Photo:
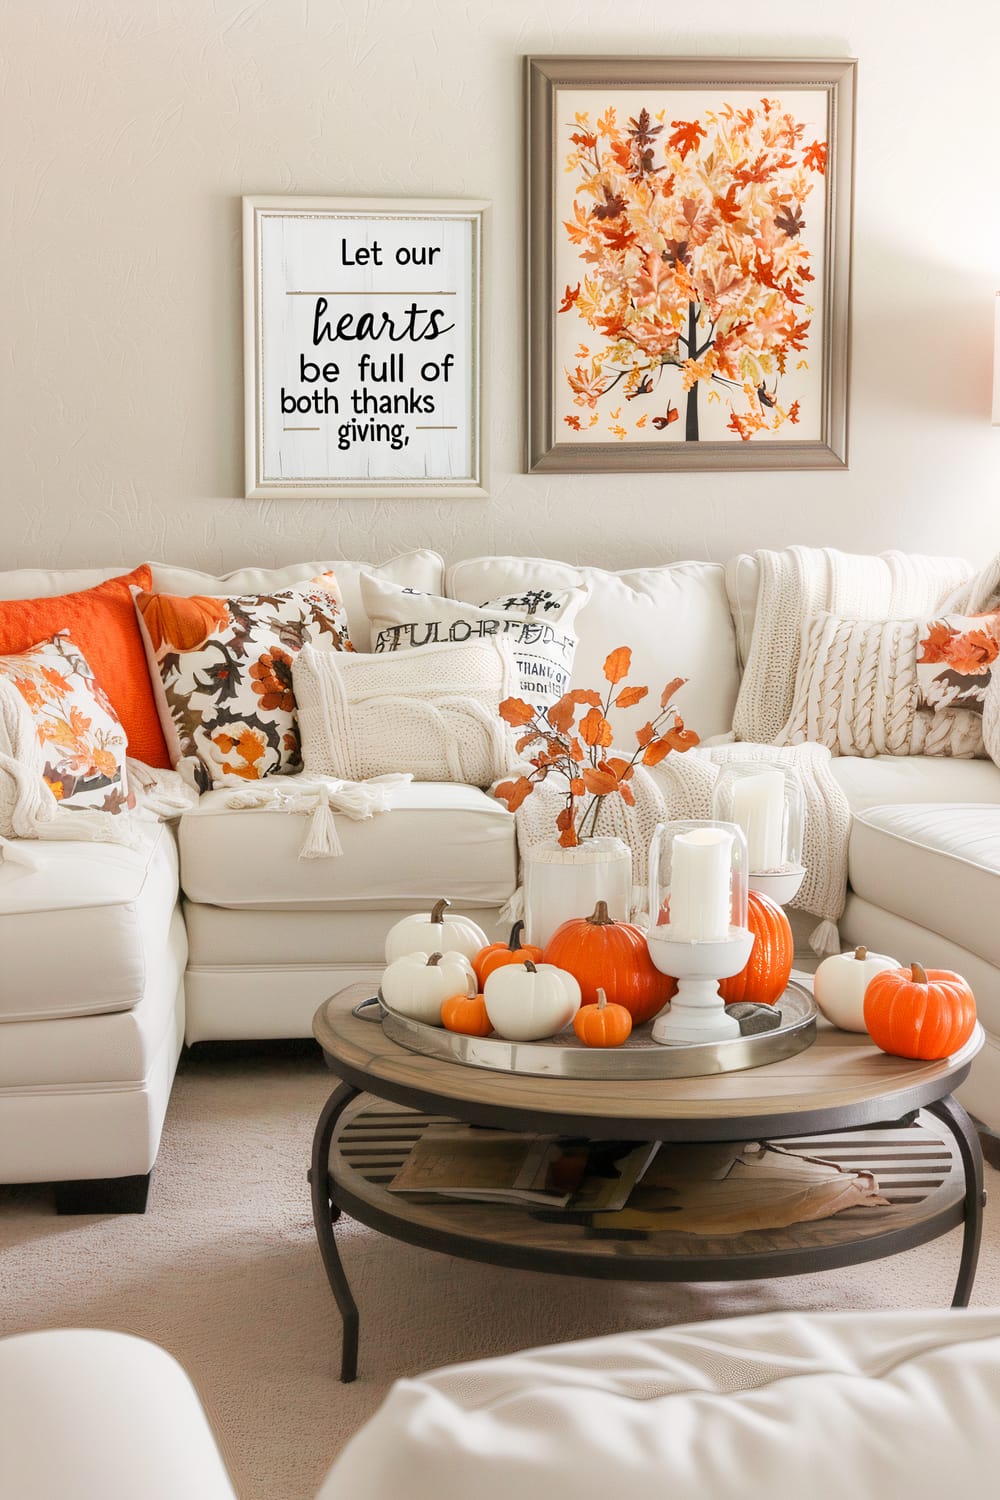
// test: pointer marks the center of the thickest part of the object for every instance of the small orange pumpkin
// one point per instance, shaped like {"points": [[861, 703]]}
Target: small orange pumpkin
{"points": [[920, 1013], [495, 955], [597, 950], [769, 966], [467, 1014], [602, 1025], [173, 620]]}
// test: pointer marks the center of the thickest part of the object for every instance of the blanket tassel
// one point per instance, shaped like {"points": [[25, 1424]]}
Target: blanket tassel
{"points": [[825, 939], [322, 841]]}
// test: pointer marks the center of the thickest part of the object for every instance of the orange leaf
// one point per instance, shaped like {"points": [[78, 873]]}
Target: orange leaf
{"points": [[630, 696], [645, 734], [655, 752], [514, 792], [600, 782], [526, 740], [623, 769], [577, 786], [560, 714], [566, 817], [670, 690], [516, 713], [618, 664], [576, 750], [628, 796], [585, 695], [680, 738], [595, 728], [568, 839]]}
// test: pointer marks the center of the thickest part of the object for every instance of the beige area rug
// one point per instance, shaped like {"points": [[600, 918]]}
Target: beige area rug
{"points": [[223, 1271]]}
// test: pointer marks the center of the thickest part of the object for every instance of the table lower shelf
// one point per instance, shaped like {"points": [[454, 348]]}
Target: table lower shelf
{"points": [[918, 1167]]}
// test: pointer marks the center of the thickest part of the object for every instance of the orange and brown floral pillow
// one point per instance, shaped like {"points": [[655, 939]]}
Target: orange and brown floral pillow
{"points": [[954, 658], [223, 670], [82, 739]]}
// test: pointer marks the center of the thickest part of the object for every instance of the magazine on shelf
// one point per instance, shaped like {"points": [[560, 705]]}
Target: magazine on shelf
{"points": [[500, 1166]]}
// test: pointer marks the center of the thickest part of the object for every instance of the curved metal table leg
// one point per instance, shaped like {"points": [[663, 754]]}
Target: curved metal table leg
{"points": [[325, 1214], [951, 1113]]}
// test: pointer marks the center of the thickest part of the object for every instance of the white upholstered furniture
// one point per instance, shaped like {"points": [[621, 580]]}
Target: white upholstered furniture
{"points": [[823, 1404], [104, 971]]}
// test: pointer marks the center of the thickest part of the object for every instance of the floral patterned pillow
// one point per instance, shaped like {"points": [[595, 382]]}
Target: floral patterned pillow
{"points": [[82, 739], [954, 658], [223, 669]]}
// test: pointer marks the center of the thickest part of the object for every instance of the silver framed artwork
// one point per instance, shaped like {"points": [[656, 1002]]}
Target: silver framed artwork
{"points": [[689, 252], [363, 347]]}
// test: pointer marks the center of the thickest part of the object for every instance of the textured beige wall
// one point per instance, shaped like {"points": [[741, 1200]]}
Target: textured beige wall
{"points": [[130, 128]]}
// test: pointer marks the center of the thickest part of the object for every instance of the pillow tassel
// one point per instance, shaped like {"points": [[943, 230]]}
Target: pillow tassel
{"points": [[322, 841]]}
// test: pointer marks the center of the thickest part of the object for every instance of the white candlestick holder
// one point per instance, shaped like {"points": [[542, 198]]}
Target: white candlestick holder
{"points": [[698, 932], [697, 1013]]}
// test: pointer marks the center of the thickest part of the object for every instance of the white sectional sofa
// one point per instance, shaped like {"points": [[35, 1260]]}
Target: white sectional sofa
{"points": [[113, 957]]}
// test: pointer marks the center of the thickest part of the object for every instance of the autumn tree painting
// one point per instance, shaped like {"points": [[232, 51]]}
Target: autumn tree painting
{"points": [[688, 235]]}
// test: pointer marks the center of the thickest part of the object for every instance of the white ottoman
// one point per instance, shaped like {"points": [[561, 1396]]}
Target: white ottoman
{"points": [[829, 1406]]}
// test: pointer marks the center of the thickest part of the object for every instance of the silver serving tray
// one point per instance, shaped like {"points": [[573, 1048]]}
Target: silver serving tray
{"points": [[639, 1057]]}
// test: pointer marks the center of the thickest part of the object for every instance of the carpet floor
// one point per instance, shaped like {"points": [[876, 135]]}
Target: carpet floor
{"points": [[223, 1270]]}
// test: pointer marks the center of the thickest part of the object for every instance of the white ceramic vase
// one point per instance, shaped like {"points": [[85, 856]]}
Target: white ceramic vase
{"points": [[563, 883]]}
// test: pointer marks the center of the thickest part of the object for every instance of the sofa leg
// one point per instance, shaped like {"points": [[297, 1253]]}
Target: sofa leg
{"points": [[103, 1195]]}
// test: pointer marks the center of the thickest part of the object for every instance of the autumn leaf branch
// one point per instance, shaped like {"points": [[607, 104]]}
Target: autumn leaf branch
{"points": [[578, 751]]}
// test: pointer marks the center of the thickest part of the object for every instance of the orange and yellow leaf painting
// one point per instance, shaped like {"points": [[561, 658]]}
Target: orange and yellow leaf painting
{"points": [[690, 267]]}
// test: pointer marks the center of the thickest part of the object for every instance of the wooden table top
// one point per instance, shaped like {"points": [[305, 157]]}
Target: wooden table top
{"points": [[842, 1079]]}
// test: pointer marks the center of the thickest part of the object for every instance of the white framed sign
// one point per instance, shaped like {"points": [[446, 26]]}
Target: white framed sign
{"points": [[363, 350]]}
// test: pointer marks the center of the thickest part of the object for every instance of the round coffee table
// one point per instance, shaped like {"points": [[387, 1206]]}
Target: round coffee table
{"points": [[842, 1099]]}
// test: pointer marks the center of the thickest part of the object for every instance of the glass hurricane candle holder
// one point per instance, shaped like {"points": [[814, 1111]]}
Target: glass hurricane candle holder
{"points": [[765, 800], [698, 924]]}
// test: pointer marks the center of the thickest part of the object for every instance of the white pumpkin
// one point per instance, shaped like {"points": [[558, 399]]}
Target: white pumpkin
{"points": [[433, 932], [417, 983], [526, 1002], [840, 982]]}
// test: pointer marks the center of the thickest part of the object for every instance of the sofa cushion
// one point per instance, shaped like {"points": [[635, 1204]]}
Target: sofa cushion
{"points": [[887, 779], [675, 618], [937, 866], [77, 931], [438, 839], [828, 1405], [422, 570]]}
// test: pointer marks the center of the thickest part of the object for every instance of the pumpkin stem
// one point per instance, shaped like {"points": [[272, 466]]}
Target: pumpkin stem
{"points": [[439, 908], [434, 960], [529, 967], [602, 999], [861, 953], [918, 974], [515, 937], [600, 916]]}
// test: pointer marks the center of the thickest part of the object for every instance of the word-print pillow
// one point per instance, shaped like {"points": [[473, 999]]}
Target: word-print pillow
{"points": [[82, 739], [536, 625], [224, 670]]}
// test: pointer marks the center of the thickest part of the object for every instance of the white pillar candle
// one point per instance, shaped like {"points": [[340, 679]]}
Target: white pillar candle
{"points": [[700, 896], [759, 807]]}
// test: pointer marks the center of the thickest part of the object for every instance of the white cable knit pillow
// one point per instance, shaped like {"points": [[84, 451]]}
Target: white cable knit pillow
{"points": [[432, 712], [857, 690]]}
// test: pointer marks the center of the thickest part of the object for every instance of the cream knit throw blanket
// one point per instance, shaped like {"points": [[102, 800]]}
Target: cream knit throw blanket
{"points": [[801, 581], [681, 787]]}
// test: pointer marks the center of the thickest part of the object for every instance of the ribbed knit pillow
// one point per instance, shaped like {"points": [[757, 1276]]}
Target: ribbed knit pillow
{"points": [[858, 691], [432, 712]]}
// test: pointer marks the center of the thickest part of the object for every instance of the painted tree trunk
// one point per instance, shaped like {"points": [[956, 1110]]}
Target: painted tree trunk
{"points": [[691, 415]]}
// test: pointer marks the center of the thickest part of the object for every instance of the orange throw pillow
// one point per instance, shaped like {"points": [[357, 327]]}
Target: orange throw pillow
{"points": [[103, 626]]}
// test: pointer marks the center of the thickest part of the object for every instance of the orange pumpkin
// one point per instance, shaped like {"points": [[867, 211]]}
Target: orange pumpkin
{"points": [[467, 1014], [173, 620], [495, 955], [602, 1025], [770, 963], [920, 1013], [597, 950]]}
